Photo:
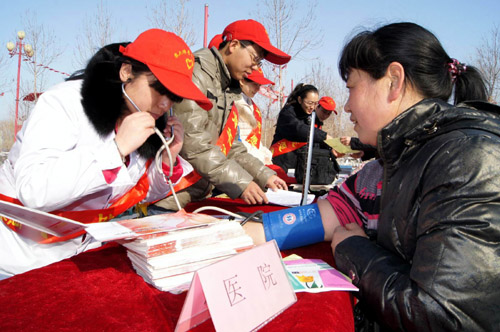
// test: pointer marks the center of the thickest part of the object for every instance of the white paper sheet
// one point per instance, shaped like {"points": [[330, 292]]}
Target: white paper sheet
{"points": [[287, 198]]}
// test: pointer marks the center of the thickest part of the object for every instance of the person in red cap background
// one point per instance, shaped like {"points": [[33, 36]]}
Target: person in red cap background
{"points": [[210, 144], [86, 150], [293, 127], [216, 41], [326, 106], [250, 124]]}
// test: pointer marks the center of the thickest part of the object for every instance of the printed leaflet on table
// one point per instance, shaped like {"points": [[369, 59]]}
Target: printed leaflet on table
{"points": [[315, 276]]}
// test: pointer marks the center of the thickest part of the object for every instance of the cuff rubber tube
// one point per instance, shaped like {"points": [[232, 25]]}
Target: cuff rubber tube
{"points": [[295, 227]]}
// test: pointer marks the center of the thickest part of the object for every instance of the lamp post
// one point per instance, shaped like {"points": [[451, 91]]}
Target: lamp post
{"points": [[20, 49]]}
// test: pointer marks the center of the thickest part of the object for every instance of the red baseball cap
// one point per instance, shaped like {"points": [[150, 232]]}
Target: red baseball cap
{"points": [[216, 41], [258, 77], [254, 31], [170, 60], [328, 104]]}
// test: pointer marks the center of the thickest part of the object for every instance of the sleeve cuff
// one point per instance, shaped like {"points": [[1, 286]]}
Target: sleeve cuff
{"points": [[177, 172], [352, 255]]}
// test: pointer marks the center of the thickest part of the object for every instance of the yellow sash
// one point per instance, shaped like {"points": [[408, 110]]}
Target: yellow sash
{"points": [[254, 137], [225, 142], [284, 146]]}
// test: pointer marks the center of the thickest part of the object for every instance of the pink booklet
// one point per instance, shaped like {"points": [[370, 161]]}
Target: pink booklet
{"points": [[161, 223], [102, 231], [315, 276], [38, 220]]}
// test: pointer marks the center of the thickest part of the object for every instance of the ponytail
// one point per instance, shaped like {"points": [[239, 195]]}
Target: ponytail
{"points": [[469, 85], [301, 90]]}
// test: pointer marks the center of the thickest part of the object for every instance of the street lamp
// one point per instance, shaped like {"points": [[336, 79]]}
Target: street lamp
{"points": [[22, 50]]}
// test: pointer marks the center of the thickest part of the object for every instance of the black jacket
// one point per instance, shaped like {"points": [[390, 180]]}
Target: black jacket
{"points": [[294, 125], [435, 265], [370, 151]]}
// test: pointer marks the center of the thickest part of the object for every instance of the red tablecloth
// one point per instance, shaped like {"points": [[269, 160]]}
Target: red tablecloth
{"points": [[99, 291]]}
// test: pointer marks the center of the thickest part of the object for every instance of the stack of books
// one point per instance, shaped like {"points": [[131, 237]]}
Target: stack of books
{"points": [[168, 260]]}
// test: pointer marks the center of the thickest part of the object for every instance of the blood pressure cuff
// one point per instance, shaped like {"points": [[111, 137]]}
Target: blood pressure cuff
{"points": [[295, 227]]}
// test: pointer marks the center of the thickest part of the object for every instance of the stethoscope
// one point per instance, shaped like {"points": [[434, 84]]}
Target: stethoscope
{"points": [[165, 146], [159, 161]]}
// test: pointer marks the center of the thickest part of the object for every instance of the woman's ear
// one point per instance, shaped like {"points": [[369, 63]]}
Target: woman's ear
{"points": [[126, 72], [396, 76], [299, 100]]}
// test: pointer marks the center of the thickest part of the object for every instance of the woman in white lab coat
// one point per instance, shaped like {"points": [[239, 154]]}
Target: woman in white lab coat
{"points": [[87, 150]]}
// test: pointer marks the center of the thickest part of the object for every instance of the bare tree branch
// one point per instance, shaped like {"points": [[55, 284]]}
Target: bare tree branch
{"points": [[488, 60], [294, 34], [290, 32], [45, 48], [174, 16], [97, 32]]}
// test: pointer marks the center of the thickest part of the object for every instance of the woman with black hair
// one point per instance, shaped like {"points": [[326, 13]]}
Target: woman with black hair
{"points": [[293, 127], [86, 152], [435, 264]]}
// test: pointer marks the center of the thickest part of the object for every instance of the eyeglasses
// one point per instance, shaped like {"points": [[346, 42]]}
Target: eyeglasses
{"points": [[311, 103], [256, 60]]}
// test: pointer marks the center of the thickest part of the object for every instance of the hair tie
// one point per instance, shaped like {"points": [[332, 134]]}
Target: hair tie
{"points": [[455, 68]]}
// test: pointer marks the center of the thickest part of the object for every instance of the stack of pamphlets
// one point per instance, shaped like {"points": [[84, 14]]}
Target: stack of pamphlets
{"points": [[168, 260], [167, 249]]}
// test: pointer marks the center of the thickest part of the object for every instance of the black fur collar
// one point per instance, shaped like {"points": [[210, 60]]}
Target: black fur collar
{"points": [[102, 98], [103, 103]]}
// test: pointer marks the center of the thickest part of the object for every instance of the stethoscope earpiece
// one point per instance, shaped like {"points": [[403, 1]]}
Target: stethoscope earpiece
{"points": [[158, 159], [129, 99]]}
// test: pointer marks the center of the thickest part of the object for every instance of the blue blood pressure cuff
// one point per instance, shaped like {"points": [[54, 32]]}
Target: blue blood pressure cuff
{"points": [[295, 227]]}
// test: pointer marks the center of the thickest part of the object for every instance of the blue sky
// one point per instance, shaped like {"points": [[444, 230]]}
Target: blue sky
{"points": [[460, 25]]}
